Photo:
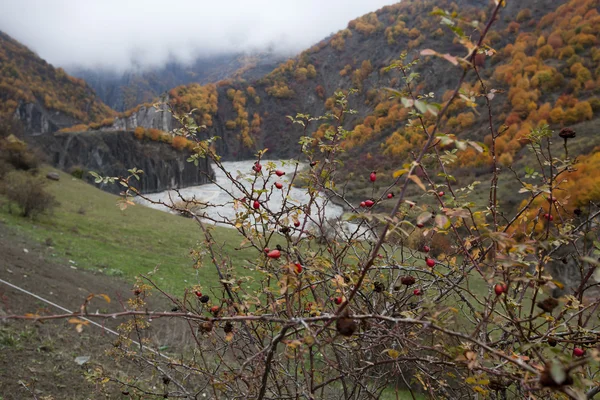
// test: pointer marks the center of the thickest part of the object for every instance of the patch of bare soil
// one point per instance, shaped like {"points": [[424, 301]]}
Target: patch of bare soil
{"points": [[38, 360]]}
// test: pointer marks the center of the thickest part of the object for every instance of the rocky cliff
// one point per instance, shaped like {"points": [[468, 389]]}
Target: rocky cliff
{"points": [[113, 153], [146, 117], [38, 120]]}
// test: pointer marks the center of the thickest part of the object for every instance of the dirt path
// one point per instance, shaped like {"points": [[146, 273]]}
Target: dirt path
{"points": [[38, 360]]}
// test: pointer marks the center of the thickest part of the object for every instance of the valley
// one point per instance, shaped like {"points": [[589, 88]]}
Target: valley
{"points": [[456, 142]]}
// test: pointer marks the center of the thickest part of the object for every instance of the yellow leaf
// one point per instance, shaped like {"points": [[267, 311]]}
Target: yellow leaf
{"points": [[78, 321], [79, 328], [417, 180], [558, 284], [399, 172], [104, 296], [392, 353], [229, 337], [479, 389]]}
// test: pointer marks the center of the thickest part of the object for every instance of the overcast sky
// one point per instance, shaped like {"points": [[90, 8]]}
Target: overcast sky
{"points": [[113, 33]]}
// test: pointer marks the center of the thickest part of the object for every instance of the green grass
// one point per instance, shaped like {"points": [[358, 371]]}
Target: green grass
{"points": [[88, 228], [393, 394]]}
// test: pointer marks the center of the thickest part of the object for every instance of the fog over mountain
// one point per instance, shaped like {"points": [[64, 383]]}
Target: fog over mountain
{"points": [[118, 34]]}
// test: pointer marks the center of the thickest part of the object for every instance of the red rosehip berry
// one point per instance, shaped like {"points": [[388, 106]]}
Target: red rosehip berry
{"points": [[296, 223], [426, 249], [417, 292], [430, 262], [257, 167], [390, 195], [369, 203], [419, 225], [363, 204], [441, 193], [279, 172], [198, 293], [578, 352], [215, 310], [500, 288], [297, 268], [274, 254], [278, 185], [256, 205], [549, 217], [373, 176], [338, 300]]}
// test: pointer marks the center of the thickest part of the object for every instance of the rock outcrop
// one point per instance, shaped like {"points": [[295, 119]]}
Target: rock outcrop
{"points": [[37, 120], [146, 117], [113, 153]]}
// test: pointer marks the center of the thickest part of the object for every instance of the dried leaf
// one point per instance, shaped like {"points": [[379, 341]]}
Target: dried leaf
{"points": [[428, 52], [417, 180], [450, 58], [104, 296], [78, 321]]}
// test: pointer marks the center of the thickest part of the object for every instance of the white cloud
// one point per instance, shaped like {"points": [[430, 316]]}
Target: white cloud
{"points": [[118, 33]]}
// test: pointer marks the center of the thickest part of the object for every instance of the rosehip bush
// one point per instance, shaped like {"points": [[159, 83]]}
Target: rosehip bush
{"points": [[356, 312]]}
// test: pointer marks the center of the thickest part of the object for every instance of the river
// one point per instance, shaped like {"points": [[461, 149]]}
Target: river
{"points": [[222, 203]]}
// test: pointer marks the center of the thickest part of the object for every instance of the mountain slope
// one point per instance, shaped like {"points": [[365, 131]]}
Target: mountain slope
{"points": [[543, 67], [123, 91], [27, 79]]}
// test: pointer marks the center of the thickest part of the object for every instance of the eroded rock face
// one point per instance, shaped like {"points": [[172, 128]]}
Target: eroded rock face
{"points": [[39, 121], [146, 117], [113, 153]]}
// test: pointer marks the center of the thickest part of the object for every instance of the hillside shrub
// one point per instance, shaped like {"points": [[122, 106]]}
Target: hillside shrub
{"points": [[16, 153], [27, 192]]}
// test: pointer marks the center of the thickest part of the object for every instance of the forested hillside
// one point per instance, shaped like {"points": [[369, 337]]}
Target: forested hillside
{"points": [[27, 79], [540, 65]]}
